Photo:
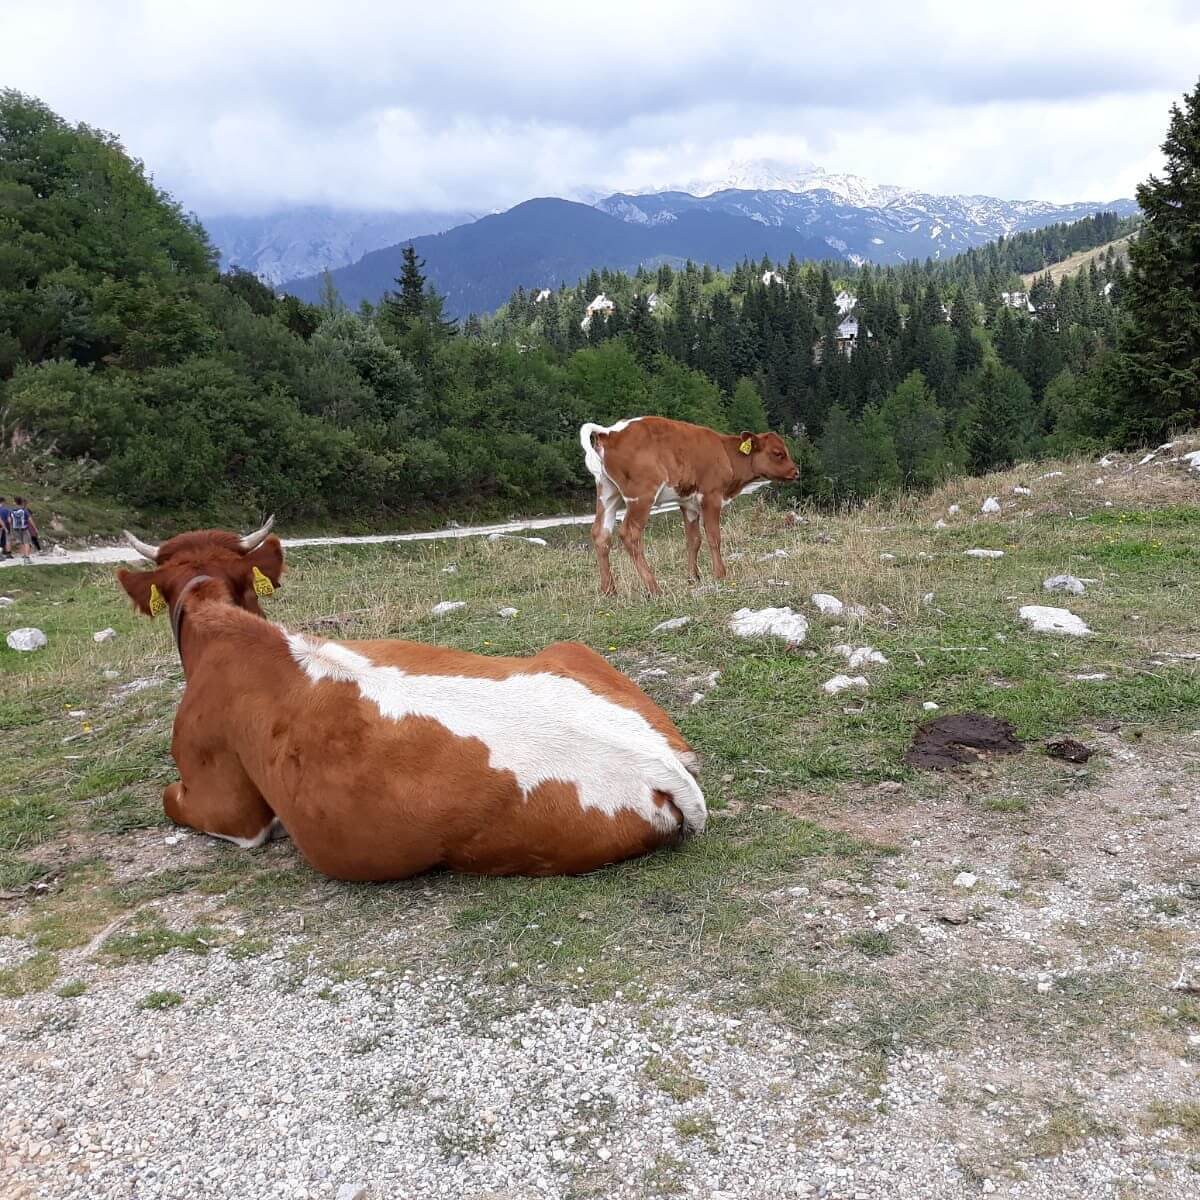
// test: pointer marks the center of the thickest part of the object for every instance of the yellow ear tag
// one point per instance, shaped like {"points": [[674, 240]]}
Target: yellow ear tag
{"points": [[262, 585], [746, 446], [157, 603]]}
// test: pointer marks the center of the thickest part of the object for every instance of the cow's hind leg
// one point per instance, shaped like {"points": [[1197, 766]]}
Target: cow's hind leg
{"points": [[607, 500], [637, 513], [216, 796]]}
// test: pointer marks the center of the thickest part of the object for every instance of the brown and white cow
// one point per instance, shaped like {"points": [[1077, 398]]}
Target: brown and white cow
{"points": [[647, 460], [382, 759]]}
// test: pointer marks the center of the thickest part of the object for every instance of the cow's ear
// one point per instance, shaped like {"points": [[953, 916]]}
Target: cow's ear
{"points": [[268, 558], [144, 590]]}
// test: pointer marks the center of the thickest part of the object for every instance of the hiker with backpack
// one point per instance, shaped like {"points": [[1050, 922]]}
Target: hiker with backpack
{"points": [[22, 530], [5, 522]]}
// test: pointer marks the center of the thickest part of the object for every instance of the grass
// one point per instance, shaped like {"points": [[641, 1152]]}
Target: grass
{"points": [[673, 1079], [35, 974], [1183, 1115], [700, 916], [156, 1001]]}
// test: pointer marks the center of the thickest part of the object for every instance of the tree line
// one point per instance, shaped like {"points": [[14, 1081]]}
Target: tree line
{"points": [[131, 367]]}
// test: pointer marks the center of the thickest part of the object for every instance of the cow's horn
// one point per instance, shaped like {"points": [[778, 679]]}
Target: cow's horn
{"points": [[143, 548], [252, 541]]}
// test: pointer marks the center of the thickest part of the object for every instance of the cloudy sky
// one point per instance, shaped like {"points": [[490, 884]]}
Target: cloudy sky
{"points": [[251, 105]]}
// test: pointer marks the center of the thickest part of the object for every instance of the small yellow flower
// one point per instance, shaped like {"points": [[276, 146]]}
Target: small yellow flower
{"points": [[86, 727], [612, 647]]}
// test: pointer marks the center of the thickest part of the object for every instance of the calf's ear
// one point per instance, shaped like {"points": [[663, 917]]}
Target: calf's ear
{"points": [[268, 558], [143, 590]]}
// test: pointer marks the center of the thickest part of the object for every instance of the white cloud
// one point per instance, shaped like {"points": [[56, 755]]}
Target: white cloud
{"points": [[238, 106]]}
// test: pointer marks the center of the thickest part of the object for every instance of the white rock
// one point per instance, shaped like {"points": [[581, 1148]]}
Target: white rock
{"points": [[1092, 678], [927, 599], [104, 635], [857, 658], [842, 683], [940, 524], [990, 505], [673, 623], [26, 639], [1044, 982], [447, 606], [1022, 491], [964, 879], [1106, 461], [773, 554], [1051, 475], [452, 569], [977, 553], [5, 601], [1064, 583], [352, 1191], [507, 612], [1053, 620], [930, 706], [111, 674], [954, 510], [792, 627], [988, 1187], [512, 537], [1148, 458], [1192, 460], [831, 606], [885, 557]]}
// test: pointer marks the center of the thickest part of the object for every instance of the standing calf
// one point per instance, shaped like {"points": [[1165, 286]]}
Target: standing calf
{"points": [[649, 459]]}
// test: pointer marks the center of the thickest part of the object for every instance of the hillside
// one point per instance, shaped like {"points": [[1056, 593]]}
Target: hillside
{"points": [[547, 242], [1080, 261], [976, 970]]}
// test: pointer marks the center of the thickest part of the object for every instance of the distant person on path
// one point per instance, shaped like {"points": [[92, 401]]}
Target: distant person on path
{"points": [[5, 524], [22, 530]]}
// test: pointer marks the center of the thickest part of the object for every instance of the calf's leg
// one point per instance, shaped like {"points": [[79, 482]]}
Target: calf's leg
{"points": [[711, 513], [691, 531], [637, 513], [607, 498]]}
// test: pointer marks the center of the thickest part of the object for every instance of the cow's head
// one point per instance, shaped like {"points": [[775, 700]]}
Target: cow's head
{"points": [[248, 566], [768, 456]]}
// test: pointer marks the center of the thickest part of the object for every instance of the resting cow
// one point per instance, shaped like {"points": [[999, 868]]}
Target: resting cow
{"points": [[383, 759], [650, 459]]}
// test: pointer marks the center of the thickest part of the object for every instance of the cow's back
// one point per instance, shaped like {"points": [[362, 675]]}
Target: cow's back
{"points": [[657, 450]]}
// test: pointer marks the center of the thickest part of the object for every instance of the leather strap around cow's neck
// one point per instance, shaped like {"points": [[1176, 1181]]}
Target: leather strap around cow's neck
{"points": [[177, 611]]}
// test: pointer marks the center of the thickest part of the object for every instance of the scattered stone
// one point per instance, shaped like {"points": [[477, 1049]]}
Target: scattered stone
{"points": [[773, 555], [1069, 750], [890, 785], [507, 612], [26, 639], [791, 627], [452, 569], [930, 706], [1107, 461], [111, 674], [352, 1191], [842, 683], [927, 599], [964, 879], [953, 510], [858, 658], [830, 606], [5, 601], [1053, 620], [1189, 979], [988, 1187], [977, 553], [990, 505], [512, 537], [836, 887], [104, 635], [885, 557], [952, 741], [954, 914], [940, 524], [1051, 475], [1022, 491], [1044, 982], [1064, 583], [673, 623], [1192, 460], [447, 606]]}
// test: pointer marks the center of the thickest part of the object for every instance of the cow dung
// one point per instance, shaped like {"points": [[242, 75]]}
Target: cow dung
{"points": [[954, 740], [1069, 750]]}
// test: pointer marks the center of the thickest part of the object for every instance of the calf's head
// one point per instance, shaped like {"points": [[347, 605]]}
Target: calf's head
{"points": [[249, 567], [768, 456]]}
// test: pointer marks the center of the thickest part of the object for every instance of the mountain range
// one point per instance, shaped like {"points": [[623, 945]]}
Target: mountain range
{"points": [[751, 209]]}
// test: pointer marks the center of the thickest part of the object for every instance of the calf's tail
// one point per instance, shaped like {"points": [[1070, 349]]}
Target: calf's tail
{"points": [[595, 464]]}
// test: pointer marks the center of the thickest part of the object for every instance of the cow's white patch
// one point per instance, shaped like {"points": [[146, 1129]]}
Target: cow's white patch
{"points": [[539, 726], [261, 838]]}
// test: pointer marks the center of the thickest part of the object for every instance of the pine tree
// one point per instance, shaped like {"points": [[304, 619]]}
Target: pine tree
{"points": [[410, 302], [917, 426], [746, 409], [330, 301], [1160, 359]]}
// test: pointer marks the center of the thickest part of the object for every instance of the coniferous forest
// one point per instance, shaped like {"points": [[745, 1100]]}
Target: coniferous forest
{"points": [[131, 367]]}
